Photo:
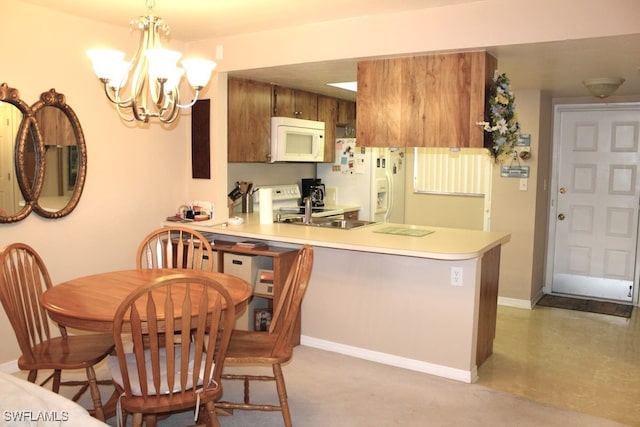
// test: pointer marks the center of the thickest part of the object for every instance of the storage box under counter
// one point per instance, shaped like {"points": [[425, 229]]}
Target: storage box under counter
{"points": [[246, 267], [249, 262]]}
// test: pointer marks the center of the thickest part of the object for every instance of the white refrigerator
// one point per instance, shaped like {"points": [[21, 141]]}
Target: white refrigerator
{"points": [[372, 178]]}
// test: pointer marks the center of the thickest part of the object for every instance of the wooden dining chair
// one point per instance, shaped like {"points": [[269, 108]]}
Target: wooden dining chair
{"points": [[274, 347], [175, 247], [179, 328], [24, 277]]}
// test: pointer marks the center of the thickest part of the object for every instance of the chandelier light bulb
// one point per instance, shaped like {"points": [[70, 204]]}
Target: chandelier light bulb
{"points": [[105, 62], [198, 71]]}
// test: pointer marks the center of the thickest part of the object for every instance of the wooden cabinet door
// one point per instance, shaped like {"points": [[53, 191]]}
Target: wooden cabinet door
{"points": [[346, 112], [427, 101], [328, 113], [284, 102], [443, 98], [378, 118], [295, 103], [306, 105], [249, 121]]}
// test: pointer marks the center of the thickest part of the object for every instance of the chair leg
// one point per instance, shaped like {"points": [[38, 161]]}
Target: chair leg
{"points": [[95, 394], [56, 381], [150, 420], [211, 413], [282, 394], [31, 377], [136, 420]]}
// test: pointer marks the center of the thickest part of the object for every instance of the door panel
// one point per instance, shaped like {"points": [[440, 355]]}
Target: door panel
{"points": [[9, 121], [596, 201]]}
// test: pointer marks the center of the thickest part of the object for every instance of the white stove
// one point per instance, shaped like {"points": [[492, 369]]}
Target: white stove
{"points": [[285, 199]]}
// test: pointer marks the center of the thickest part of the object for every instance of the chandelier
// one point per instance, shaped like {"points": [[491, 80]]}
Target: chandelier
{"points": [[147, 86]]}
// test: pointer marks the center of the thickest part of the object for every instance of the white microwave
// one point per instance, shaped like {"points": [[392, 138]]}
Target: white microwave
{"points": [[296, 140]]}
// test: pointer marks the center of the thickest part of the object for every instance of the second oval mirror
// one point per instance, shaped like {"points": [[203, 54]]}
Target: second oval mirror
{"points": [[64, 163]]}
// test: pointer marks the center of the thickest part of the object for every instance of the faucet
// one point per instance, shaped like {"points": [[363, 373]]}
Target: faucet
{"points": [[307, 210]]}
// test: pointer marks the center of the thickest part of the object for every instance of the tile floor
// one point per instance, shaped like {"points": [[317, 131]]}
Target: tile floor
{"points": [[570, 359]]}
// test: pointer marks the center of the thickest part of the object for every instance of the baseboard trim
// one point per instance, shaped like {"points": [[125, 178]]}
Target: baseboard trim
{"points": [[10, 367], [392, 360], [517, 303]]}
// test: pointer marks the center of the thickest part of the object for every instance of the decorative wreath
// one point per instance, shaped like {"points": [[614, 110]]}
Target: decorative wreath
{"points": [[503, 124]]}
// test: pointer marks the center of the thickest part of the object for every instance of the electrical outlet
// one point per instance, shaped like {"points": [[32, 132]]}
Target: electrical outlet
{"points": [[456, 276]]}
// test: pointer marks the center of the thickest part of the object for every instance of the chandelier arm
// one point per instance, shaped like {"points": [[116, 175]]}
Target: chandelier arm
{"points": [[173, 112], [115, 98], [126, 118], [120, 105], [192, 103], [168, 112], [160, 99]]}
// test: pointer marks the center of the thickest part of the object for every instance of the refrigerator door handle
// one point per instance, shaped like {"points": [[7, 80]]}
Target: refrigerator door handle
{"points": [[389, 197]]}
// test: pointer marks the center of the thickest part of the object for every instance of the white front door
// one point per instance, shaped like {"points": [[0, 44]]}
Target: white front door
{"points": [[594, 201]]}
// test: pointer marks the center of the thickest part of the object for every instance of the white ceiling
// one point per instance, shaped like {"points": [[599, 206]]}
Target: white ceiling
{"points": [[557, 67]]}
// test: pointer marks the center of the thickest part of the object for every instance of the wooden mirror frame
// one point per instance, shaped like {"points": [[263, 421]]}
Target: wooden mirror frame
{"points": [[28, 130], [58, 100]]}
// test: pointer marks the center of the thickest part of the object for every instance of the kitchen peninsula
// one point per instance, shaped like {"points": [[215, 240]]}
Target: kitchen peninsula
{"points": [[421, 298]]}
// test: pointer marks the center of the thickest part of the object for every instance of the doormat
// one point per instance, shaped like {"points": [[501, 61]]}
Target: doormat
{"points": [[592, 306]]}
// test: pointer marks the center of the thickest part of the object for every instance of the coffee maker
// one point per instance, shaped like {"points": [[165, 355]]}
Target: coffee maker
{"points": [[314, 189]]}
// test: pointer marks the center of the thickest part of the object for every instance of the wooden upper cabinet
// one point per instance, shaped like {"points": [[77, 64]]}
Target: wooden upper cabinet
{"points": [[295, 103], [328, 113], [428, 101], [346, 112], [378, 104], [249, 121]]}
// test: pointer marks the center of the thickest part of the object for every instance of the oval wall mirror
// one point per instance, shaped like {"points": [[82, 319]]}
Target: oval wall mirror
{"points": [[64, 161], [19, 167]]}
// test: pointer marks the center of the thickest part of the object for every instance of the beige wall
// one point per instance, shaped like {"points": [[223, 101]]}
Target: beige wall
{"points": [[518, 212], [138, 175], [135, 175]]}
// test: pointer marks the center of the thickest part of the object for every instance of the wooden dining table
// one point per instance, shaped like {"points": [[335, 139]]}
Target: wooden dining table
{"points": [[89, 303]]}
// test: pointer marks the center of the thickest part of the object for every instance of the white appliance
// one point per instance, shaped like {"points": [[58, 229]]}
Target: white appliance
{"points": [[372, 178], [285, 200], [296, 140]]}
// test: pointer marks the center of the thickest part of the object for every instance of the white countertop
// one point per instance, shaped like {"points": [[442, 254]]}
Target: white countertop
{"points": [[441, 244]]}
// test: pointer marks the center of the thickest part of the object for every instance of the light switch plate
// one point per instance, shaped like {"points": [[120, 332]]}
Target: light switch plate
{"points": [[524, 184]]}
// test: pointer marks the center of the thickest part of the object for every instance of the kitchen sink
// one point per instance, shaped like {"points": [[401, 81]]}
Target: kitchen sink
{"points": [[342, 224], [345, 224]]}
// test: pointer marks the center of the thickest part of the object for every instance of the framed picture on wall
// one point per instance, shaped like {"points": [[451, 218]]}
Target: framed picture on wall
{"points": [[262, 319]]}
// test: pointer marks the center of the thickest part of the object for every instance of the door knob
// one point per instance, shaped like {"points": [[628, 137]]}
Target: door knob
{"points": [[561, 217], [562, 190]]}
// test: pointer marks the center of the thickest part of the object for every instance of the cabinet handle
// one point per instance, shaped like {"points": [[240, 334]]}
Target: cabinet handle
{"points": [[236, 262]]}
